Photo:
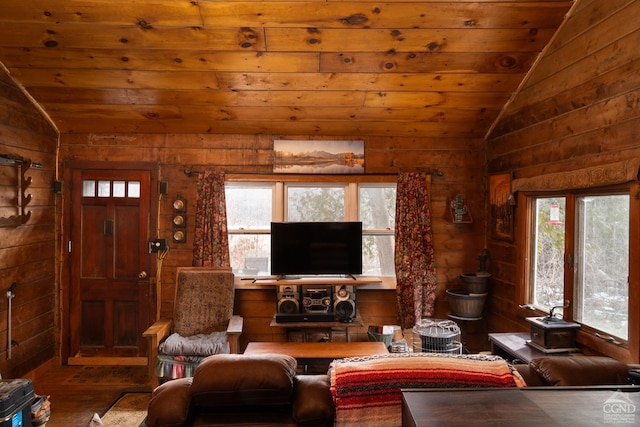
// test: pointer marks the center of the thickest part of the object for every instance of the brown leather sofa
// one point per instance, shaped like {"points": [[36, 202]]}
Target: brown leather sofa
{"points": [[574, 370], [251, 390], [265, 390]]}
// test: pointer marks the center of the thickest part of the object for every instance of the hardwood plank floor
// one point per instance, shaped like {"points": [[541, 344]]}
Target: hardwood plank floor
{"points": [[74, 398]]}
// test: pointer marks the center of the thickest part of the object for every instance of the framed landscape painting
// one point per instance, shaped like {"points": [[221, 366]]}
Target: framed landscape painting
{"points": [[501, 209], [318, 157]]}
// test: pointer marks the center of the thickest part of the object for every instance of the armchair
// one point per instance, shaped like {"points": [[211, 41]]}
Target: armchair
{"points": [[203, 323]]}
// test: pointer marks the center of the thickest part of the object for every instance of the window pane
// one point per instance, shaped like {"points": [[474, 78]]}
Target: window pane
{"points": [[602, 270], [378, 207], [134, 189], [118, 188], [249, 208], [377, 255], [104, 188], [250, 254], [315, 204], [548, 253], [88, 188]]}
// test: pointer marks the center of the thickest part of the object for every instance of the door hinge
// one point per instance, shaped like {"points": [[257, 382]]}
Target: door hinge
{"points": [[69, 246]]}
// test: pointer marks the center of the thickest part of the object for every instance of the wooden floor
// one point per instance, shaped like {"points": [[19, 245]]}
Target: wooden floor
{"points": [[73, 403]]}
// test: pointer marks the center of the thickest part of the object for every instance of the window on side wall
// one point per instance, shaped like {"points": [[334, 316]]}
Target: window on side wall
{"points": [[579, 255], [252, 206]]}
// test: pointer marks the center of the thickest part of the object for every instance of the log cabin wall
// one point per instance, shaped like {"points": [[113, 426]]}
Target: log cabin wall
{"points": [[578, 108], [456, 245], [27, 251]]}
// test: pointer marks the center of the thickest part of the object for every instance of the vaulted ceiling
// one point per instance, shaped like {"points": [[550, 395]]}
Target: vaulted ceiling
{"points": [[352, 67]]}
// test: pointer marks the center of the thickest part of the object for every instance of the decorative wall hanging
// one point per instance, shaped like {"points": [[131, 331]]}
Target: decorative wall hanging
{"points": [[318, 157], [500, 207], [179, 219], [14, 213], [459, 211]]}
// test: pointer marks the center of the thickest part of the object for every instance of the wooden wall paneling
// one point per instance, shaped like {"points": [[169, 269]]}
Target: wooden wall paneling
{"points": [[593, 118], [328, 127], [339, 14], [605, 85], [588, 150], [615, 49], [578, 109], [285, 113], [163, 13], [257, 307], [611, 21], [456, 246], [402, 82], [405, 40], [170, 60], [27, 252], [425, 62], [113, 37], [119, 79]]}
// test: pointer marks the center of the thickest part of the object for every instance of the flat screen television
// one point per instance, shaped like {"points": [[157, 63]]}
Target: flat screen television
{"points": [[310, 248]]}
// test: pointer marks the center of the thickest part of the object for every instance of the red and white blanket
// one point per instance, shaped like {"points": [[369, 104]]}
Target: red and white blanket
{"points": [[366, 390]]}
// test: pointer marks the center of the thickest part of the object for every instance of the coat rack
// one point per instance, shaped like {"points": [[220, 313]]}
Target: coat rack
{"points": [[22, 184]]}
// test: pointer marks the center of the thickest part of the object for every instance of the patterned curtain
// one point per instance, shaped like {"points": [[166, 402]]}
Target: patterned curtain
{"points": [[210, 242], [414, 257]]}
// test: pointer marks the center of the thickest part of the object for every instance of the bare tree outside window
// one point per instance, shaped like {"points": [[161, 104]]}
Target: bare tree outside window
{"points": [[602, 263], [377, 213], [599, 266], [548, 288], [250, 210]]}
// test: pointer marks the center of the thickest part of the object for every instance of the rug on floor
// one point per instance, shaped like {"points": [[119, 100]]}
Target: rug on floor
{"points": [[110, 375], [128, 411]]}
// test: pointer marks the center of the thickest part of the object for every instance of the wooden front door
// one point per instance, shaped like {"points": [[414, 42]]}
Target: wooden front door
{"points": [[110, 301]]}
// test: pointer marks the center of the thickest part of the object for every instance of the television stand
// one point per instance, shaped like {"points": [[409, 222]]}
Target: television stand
{"points": [[307, 328], [317, 280]]}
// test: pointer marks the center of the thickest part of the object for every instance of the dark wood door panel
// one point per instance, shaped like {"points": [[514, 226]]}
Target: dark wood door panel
{"points": [[109, 304]]}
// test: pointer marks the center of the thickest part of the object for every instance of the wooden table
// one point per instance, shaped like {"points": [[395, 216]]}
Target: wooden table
{"points": [[529, 406], [317, 353], [513, 347]]}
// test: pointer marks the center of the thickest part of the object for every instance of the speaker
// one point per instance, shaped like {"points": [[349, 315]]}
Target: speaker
{"points": [[316, 298], [344, 303], [288, 299]]}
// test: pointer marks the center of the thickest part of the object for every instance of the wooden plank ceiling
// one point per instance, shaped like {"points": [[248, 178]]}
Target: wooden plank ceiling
{"points": [[314, 67]]}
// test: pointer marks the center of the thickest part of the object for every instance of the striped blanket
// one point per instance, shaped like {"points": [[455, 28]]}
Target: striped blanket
{"points": [[366, 390]]}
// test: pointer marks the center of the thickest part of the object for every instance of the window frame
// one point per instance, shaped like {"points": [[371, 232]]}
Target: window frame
{"points": [[351, 184], [587, 336]]}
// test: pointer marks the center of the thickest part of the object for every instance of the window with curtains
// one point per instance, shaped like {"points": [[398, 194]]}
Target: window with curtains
{"points": [[579, 254], [252, 206]]}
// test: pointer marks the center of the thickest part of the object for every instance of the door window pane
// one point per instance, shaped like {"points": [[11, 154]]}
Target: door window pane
{"points": [[602, 264], [88, 188], [118, 189], [315, 203], [104, 188], [548, 252], [133, 189]]}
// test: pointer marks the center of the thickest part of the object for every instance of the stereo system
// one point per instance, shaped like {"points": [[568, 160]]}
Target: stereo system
{"points": [[316, 299], [288, 299], [344, 304], [319, 303]]}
